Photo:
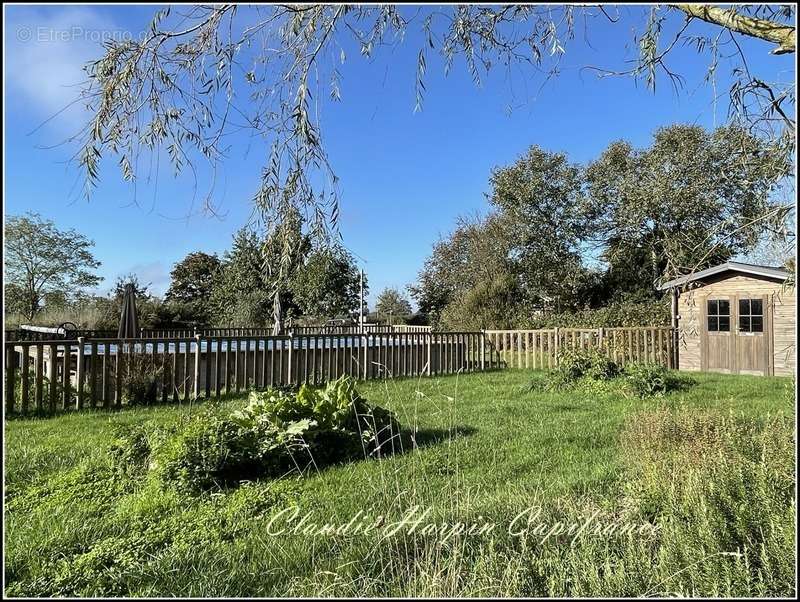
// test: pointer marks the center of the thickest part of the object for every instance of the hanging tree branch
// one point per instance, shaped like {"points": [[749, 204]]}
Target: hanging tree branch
{"points": [[772, 31]]}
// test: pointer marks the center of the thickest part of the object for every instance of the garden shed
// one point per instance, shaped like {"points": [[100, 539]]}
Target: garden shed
{"points": [[737, 318]]}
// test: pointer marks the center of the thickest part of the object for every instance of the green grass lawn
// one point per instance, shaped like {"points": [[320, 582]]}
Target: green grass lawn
{"points": [[713, 463]]}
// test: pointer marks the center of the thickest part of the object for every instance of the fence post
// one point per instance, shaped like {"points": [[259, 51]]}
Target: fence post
{"points": [[430, 337], [79, 377], [197, 339], [601, 335], [483, 350], [557, 347], [365, 344], [11, 367], [289, 371]]}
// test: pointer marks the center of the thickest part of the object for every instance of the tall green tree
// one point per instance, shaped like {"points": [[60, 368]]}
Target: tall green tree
{"points": [[191, 285], [478, 249], [41, 259], [253, 284], [327, 284], [392, 304], [242, 289], [691, 199], [539, 196]]}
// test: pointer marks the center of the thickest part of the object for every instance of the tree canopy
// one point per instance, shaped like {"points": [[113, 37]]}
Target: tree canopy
{"points": [[327, 284], [566, 237], [392, 304], [42, 259], [191, 285]]}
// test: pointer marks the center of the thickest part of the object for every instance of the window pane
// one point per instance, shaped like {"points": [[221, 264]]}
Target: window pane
{"points": [[713, 324], [724, 324], [755, 307], [744, 323], [724, 307], [757, 324], [712, 308], [744, 307]]}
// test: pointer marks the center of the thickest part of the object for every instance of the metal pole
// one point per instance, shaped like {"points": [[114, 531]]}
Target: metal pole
{"points": [[361, 302]]}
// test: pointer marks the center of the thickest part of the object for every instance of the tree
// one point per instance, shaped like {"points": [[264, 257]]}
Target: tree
{"points": [[176, 87], [539, 196], [327, 284], [690, 200], [394, 304], [191, 285], [42, 259], [241, 292], [478, 249]]}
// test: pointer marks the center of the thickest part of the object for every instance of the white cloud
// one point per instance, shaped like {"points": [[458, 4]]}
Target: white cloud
{"points": [[46, 50]]}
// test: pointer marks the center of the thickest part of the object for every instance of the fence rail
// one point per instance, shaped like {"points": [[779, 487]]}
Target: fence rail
{"points": [[540, 348], [46, 375], [46, 334]]}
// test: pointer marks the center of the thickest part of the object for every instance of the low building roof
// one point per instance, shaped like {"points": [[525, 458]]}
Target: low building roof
{"points": [[732, 266]]}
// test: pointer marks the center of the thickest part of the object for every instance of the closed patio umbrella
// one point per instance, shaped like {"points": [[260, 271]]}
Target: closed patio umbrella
{"points": [[128, 322]]}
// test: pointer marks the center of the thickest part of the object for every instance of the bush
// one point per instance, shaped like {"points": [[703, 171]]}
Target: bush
{"points": [[140, 379], [276, 433], [576, 364], [648, 380]]}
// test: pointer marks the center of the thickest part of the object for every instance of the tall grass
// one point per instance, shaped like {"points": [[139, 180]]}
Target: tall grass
{"points": [[709, 466]]}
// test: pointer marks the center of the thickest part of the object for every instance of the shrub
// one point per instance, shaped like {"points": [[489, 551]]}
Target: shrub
{"points": [[722, 490], [140, 379], [276, 433], [577, 364], [648, 380], [213, 451]]}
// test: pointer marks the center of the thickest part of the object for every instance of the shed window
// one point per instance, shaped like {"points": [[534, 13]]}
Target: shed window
{"points": [[751, 315], [718, 315]]}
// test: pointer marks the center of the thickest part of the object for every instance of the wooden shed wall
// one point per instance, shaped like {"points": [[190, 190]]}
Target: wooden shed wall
{"points": [[783, 306]]}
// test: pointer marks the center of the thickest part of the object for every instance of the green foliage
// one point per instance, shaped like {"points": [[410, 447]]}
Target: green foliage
{"points": [[191, 285], [617, 314], [722, 490], [648, 380], [242, 289], [491, 303], [575, 365], [690, 200], [140, 379], [276, 433], [326, 285], [40, 259], [392, 303], [593, 370]]}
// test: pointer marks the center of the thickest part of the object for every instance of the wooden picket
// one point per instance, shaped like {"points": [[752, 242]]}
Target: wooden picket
{"points": [[91, 373], [539, 349]]}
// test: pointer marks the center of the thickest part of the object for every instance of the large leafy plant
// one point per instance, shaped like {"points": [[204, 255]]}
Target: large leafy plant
{"points": [[276, 433]]}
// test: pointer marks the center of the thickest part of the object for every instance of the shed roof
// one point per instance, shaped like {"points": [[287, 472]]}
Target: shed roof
{"points": [[732, 266]]}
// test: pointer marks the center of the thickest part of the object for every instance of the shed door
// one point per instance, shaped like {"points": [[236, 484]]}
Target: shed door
{"points": [[752, 334], [717, 344], [736, 334]]}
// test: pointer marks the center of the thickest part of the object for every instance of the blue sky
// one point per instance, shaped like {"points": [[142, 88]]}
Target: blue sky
{"points": [[404, 176]]}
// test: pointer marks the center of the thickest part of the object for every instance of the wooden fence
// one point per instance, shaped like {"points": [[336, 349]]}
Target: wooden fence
{"points": [[46, 375], [47, 334], [540, 348]]}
